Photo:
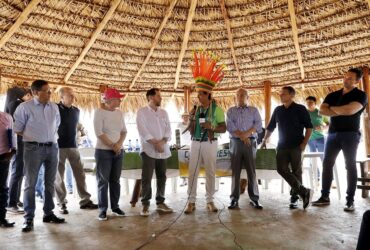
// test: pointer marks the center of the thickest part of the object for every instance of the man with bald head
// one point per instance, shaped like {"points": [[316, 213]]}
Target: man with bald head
{"points": [[67, 142], [243, 123]]}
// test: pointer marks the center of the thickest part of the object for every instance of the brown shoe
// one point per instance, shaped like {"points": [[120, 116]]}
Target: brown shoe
{"points": [[190, 208], [211, 207]]}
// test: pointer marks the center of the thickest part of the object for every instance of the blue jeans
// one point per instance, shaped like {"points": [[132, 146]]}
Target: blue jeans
{"points": [[16, 175], [348, 142], [108, 173], [40, 183], [34, 157], [317, 145]]}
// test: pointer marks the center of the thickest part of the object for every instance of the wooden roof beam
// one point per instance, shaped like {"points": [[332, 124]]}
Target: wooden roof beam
{"points": [[293, 21], [93, 38], [21, 19], [185, 40], [155, 41], [230, 39]]}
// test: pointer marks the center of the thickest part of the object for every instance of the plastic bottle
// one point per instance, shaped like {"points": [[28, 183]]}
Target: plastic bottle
{"points": [[129, 146]]}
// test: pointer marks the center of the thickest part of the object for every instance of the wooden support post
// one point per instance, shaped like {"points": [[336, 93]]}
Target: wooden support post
{"points": [[187, 102], [366, 88], [267, 88]]}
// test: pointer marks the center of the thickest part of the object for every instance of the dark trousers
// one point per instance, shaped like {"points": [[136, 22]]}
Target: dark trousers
{"points": [[292, 174], [348, 142], [364, 237], [108, 173], [243, 156], [4, 171], [148, 166], [16, 176]]}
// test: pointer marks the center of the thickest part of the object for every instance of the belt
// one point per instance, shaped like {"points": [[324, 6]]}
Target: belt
{"points": [[250, 138], [41, 144], [202, 140]]}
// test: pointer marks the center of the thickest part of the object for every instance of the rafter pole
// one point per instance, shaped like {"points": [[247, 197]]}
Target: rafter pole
{"points": [[21, 19], [93, 38], [293, 21], [230, 39], [184, 45], [155, 41]]}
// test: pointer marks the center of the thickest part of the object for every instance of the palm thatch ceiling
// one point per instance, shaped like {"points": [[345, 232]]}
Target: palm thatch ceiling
{"points": [[136, 44]]}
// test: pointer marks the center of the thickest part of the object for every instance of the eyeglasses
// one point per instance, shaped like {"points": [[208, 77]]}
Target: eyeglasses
{"points": [[46, 91]]}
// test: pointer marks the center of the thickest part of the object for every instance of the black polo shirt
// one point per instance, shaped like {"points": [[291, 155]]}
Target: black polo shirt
{"points": [[346, 123], [67, 130], [291, 122]]}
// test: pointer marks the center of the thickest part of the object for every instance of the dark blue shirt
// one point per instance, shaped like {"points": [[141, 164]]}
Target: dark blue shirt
{"points": [[291, 122], [67, 131]]}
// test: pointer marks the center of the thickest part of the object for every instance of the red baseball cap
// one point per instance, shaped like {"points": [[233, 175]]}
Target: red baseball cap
{"points": [[111, 93]]}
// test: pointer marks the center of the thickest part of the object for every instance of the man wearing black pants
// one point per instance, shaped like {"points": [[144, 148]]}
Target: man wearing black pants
{"points": [[243, 124], [344, 108], [155, 131], [16, 165], [7, 144], [291, 118]]}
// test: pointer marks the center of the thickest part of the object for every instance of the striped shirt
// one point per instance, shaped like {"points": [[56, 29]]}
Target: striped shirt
{"points": [[242, 119]]}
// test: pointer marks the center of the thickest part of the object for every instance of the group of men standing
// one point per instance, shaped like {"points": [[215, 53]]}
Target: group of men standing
{"points": [[46, 136], [47, 133]]}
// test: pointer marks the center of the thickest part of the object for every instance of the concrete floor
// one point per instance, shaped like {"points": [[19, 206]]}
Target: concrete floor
{"points": [[275, 227]]}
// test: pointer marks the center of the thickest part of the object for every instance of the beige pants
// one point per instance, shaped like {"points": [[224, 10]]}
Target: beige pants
{"points": [[202, 153], [74, 159]]}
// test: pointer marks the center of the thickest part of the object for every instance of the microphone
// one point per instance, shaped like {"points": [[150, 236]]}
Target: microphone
{"points": [[202, 118]]}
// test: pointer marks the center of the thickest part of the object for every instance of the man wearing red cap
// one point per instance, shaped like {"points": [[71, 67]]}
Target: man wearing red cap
{"points": [[110, 130]]}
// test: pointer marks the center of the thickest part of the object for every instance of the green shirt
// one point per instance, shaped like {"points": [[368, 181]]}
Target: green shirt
{"points": [[216, 118], [317, 120]]}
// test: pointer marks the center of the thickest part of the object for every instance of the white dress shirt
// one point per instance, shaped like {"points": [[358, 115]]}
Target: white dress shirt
{"points": [[153, 124]]}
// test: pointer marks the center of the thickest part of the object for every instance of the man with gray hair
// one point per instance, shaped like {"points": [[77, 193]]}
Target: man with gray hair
{"points": [[243, 123], [67, 142]]}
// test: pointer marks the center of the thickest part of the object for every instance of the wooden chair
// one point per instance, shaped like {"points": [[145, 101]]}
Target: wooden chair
{"points": [[365, 177]]}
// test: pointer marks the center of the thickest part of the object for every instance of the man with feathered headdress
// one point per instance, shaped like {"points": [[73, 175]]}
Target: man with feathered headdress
{"points": [[208, 120]]}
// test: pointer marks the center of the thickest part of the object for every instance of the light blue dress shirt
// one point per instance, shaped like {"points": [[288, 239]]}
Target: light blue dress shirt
{"points": [[243, 119], [38, 122]]}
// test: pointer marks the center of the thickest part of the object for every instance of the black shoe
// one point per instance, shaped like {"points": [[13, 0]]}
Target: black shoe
{"points": [[89, 205], [349, 207], [322, 201], [118, 212], [53, 219], [307, 198], [256, 204], [234, 204], [6, 223], [293, 202], [27, 226], [19, 204], [63, 209], [103, 216]]}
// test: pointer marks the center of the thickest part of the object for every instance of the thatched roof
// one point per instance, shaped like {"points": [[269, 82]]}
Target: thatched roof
{"points": [[135, 45]]}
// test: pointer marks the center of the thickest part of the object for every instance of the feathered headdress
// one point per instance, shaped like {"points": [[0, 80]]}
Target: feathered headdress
{"points": [[205, 72]]}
